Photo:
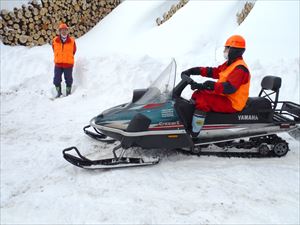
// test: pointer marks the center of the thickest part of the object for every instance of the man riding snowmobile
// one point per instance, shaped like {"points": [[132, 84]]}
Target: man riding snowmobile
{"points": [[159, 117], [230, 93]]}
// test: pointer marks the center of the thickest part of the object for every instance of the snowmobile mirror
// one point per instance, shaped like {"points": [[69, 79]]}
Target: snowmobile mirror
{"points": [[137, 94]]}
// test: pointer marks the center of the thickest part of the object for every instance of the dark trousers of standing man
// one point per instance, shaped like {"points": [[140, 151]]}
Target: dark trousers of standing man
{"points": [[58, 71]]}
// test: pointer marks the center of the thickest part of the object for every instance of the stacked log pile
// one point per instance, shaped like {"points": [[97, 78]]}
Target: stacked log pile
{"points": [[37, 23], [241, 16], [171, 12]]}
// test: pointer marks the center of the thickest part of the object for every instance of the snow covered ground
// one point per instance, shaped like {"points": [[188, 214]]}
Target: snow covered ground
{"points": [[39, 186]]}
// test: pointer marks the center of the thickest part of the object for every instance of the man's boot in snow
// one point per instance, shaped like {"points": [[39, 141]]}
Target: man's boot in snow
{"points": [[197, 122], [68, 90], [58, 89]]}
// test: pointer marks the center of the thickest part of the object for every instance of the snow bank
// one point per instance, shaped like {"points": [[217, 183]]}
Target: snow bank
{"points": [[191, 29]]}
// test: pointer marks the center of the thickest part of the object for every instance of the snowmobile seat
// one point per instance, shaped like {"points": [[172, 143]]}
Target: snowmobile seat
{"points": [[257, 104], [257, 110]]}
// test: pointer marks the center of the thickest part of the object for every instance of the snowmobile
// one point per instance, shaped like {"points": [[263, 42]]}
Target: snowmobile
{"points": [[160, 117]]}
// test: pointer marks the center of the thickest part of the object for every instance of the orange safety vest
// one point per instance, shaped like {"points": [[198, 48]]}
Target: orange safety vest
{"points": [[239, 98], [63, 53]]}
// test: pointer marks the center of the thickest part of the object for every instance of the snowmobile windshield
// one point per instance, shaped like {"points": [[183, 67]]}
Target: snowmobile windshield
{"points": [[162, 88]]}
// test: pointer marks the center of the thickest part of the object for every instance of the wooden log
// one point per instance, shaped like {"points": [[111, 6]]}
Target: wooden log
{"points": [[36, 36], [45, 26], [4, 40], [43, 11], [50, 10], [34, 3], [29, 39], [16, 26], [74, 20], [158, 21], [35, 12], [31, 26], [16, 20], [56, 8], [5, 15], [74, 2], [77, 8], [45, 3], [30, 7], [19, 14], [24, 27], [11, 14], [23, 39], [10, 23], [102, 3], [28, 14], [34, 43], [10, 37]]}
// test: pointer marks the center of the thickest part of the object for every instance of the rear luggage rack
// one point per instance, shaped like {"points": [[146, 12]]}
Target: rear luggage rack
{"points": [[288, 113]]}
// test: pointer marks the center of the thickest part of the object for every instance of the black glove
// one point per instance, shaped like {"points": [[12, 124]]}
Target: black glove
{"points": [[192, 71], [209, 85], [197, 86]]}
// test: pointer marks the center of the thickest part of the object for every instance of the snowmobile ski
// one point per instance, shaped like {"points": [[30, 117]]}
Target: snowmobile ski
{"points": [[98, 135], [110, 163]]}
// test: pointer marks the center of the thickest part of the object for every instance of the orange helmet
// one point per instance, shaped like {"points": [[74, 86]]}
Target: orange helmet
{"points": [[236, 41], [63, 26]]}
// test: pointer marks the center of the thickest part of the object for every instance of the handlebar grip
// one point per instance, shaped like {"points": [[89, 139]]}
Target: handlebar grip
{"points": [[186, 78]]}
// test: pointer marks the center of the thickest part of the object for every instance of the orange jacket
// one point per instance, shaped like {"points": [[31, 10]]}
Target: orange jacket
{"points": [[240, 97], [64, 52]]}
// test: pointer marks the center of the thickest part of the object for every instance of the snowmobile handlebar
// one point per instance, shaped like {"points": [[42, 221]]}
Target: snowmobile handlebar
{"points": [[185, 80]]}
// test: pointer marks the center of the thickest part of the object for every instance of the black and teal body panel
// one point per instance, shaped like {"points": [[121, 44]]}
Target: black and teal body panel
{"points": [[147, 126]]}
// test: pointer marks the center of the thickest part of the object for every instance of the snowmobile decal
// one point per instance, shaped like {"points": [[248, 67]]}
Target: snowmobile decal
{"points": [[166, 125], [247, 117], [217, 127], [141, 133], [167, 113]]}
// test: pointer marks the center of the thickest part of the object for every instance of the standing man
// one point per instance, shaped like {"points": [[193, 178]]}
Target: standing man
{"points": [[64, 48]]}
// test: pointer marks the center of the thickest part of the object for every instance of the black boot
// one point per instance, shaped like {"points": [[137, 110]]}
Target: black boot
{"points": [[68, 90], [58, 89]]}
